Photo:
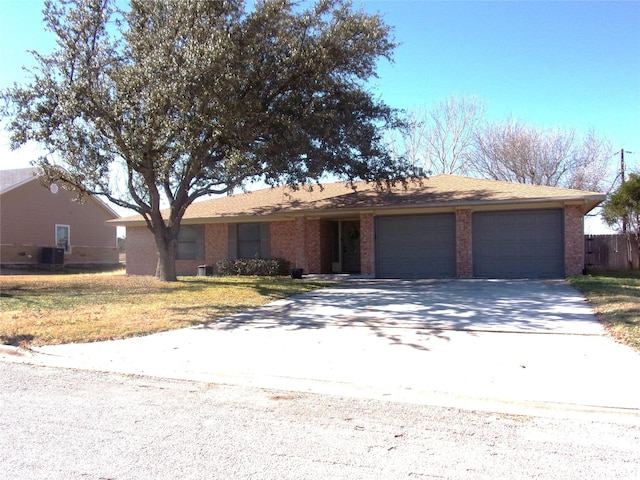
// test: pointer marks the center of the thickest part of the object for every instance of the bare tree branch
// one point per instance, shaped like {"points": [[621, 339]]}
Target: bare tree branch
{"points": [[516, 152]]}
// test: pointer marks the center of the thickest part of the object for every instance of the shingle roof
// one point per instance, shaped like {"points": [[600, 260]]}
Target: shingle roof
{"points": [[436, 191], [10, 179]]}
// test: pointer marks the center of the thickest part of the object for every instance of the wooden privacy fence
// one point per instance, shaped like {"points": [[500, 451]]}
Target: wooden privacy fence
{"points": [[611, 252]]}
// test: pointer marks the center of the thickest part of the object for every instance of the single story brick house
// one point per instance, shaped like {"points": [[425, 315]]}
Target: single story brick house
{"points": [[34, 216], [445, 226]]}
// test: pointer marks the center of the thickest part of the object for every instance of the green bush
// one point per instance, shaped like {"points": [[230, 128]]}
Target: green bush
{"points": [[261, 267]]}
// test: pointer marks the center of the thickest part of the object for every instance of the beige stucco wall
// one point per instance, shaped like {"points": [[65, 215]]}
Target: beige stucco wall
{"points": [[29, 214]]}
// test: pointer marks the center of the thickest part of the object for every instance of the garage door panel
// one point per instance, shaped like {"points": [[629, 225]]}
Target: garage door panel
{"points": [[415, 246], [518, 244]]}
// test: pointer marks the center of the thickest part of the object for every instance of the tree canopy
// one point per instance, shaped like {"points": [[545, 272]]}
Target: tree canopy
{"points": [[623, 206], [439, 137], [165, 101], [451, 136], [517, 152], [622, 210]]}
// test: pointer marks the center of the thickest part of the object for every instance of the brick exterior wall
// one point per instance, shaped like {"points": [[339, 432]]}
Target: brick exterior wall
{"points": [[367, 245], [20, 254], [142, 255], [304, 243], [313, 245], [300, 257], [307, 244], [30, 255], [284, 241], [464, 244], [188, 268], [216, 244], [215, 249], [573, 240], [92, 255]]}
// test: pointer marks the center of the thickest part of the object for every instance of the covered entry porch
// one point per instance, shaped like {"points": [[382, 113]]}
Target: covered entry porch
{"points": [[335, 245]]}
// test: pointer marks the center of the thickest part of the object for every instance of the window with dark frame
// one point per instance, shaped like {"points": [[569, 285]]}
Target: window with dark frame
{"points": [[190, 243], [249, 240]]}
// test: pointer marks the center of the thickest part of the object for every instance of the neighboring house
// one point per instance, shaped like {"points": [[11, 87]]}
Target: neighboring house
{"points": [[443, 227], [33, 216]]}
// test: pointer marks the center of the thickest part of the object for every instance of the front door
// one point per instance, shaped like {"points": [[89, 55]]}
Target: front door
{"points": [[350, 240]]}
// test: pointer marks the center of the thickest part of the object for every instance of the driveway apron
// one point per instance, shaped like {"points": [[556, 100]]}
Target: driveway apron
{"points": [[469, 343]]}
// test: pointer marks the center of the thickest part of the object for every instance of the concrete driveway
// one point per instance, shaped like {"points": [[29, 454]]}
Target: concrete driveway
{"points": [[505, 345]]}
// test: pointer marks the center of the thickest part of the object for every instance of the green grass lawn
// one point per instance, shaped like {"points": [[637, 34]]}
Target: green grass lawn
{"points": [[615, 296], [64, 308]]}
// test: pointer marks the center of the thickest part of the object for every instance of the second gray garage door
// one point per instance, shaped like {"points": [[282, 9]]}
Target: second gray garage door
{"points": [[519, 244], [416, 246]]}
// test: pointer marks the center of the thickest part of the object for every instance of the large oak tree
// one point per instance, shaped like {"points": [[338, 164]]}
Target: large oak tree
{"points": [[166, 101]]}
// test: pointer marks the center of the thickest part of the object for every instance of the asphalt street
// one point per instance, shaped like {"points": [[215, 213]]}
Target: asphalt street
{"points": [[368, 380], [58, 423]]}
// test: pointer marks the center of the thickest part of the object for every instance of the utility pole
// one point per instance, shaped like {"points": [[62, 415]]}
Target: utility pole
{"points": [[622, 152]]}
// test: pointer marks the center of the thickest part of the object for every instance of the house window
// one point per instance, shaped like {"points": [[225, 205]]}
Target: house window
{"points": [[249, 240], [63, 237], [190, 243]]}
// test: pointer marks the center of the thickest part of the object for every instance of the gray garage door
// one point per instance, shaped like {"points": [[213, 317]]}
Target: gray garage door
{"points": [[416, 246], [521, 244]]}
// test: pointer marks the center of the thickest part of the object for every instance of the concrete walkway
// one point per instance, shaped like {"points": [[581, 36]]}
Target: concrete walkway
{"points": [[516, 346]]}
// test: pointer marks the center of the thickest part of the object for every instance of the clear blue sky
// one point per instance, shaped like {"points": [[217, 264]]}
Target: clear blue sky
{"points": [[572, 64], [555, 64]]}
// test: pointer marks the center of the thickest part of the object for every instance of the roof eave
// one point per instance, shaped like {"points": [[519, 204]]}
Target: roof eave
{"points": [[18, 185], [98, 200], [588, 203]]}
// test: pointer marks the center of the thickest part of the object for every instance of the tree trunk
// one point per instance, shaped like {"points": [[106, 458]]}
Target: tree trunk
{"points": [[166, 268]]}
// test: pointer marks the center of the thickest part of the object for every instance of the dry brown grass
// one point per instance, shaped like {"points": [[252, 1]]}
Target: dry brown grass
{"points": [[53, 309], [615, 297]]}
